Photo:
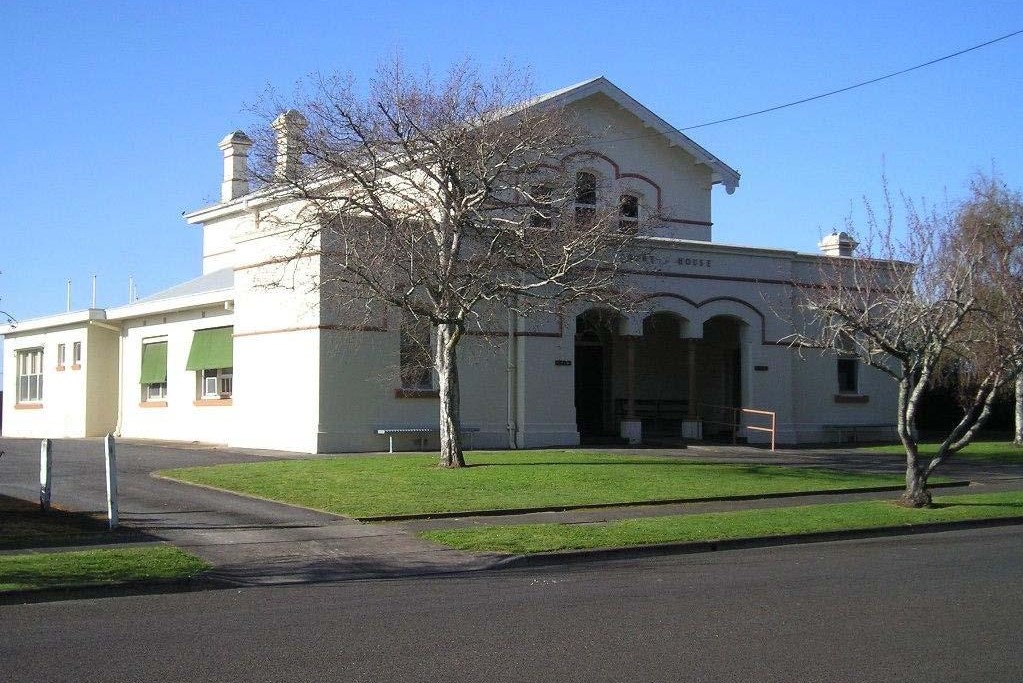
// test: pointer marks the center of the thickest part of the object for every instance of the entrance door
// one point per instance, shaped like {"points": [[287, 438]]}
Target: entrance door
{"points": [[589, 390]]}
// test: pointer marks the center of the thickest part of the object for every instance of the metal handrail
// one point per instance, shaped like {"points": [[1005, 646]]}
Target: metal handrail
{"points": [[736, 423], [771, 430]]}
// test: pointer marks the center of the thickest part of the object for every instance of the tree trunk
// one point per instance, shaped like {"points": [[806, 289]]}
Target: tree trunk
{"points": [[1018, 432], [450, 417], [916, 494]]}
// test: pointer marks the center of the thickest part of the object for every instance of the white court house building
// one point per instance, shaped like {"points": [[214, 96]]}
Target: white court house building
{"points": [[224, 359]]}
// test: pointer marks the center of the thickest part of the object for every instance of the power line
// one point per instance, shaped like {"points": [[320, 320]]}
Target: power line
{"points": [[856, 85]]}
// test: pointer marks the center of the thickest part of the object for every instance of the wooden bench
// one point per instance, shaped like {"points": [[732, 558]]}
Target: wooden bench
{"points": [[391, 432]]}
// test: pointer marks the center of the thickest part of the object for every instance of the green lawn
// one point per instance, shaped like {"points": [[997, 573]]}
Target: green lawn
{"points": [[719, 526], [998, 451], [390, 485], [96, 567]]}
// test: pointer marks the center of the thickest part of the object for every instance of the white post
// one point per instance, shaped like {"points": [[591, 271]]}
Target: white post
{"points": [[108, 444], [93, 292], [69, 296], [45, 473]]}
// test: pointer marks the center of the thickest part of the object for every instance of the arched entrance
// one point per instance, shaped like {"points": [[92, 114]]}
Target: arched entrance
{"points": [[647, 382], [595, 332], [718, 376]]}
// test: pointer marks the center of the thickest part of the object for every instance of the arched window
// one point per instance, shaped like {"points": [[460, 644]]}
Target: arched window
{"points": [[543, 210], [585, 198], [628, 210]]}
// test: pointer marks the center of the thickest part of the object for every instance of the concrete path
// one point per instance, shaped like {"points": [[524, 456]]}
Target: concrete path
{"points": [[252, 542], [248, 541]]}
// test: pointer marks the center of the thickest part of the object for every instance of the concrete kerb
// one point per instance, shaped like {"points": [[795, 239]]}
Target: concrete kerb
{"points": [[202, 582], [569, 557], [650, 503]]}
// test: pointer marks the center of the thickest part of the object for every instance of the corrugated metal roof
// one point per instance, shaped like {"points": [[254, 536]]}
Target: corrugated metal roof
{"points": [[210, 282]]}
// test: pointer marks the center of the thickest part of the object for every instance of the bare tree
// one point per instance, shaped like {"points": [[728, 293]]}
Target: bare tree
{"points": [[1017, 430], [942, 302], [446, 200]]}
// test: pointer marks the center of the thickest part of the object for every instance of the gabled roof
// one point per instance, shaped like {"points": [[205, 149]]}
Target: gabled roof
{"points": [[722, 172]]}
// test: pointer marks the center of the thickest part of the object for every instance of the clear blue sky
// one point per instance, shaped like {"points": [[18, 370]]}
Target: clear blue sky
{"points": [[112, 111]]}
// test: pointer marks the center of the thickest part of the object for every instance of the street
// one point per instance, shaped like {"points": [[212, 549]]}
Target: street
{"points": [[938, 607]]}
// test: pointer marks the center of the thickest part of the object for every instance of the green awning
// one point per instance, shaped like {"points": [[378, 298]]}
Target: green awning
{"points": [[211, 349], [154, 363]]}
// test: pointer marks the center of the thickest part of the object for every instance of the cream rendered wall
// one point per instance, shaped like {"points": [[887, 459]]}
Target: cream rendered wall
{"points": [[276, 391], [546, 389], [483, 371], [62, 411], [218, 243], [181, 419], [361, 392], [818, 403], [359, 377], [101, 381], [277, 340], [685, 186]]}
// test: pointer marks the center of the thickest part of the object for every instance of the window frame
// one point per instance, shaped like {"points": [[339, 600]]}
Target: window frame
{"points": [[76, 355], [585, 212], [223, 379], [156, 391], [850, 373], [29, 367], [415, 354], [61, 355], [542, 195], [626, 222]]}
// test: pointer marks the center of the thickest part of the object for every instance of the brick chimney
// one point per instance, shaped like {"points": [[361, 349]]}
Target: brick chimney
{"points": [[838, 244], [235, 147], [289, 127]]}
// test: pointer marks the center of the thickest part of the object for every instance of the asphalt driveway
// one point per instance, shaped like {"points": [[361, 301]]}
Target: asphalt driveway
{"points": [[248, 541]]}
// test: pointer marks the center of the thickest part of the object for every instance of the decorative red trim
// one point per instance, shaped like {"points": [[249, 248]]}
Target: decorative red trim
{"points": [[851, 398], [76, 366], [640, 176], [416, 393], [685, 221], [152, 404], [28, 406], [618, 171], [671, 295], [212, 402], [60, 368]]}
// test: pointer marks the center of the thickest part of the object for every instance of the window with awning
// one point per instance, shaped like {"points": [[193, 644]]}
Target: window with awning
{"points": [[212, 358], [212, 349], [154, 363]]}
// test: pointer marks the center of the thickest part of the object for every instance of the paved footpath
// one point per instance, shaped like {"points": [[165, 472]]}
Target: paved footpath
{"points": [[256, 542]]}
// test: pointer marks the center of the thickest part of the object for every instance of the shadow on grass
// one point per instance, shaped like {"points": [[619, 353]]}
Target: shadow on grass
{"points": [[666, 462], [24, 525], [935, 506], [767, 471]]}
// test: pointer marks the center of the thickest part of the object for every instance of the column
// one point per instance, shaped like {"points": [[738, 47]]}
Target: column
{"points": [[631, 426], [692, 427]]}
